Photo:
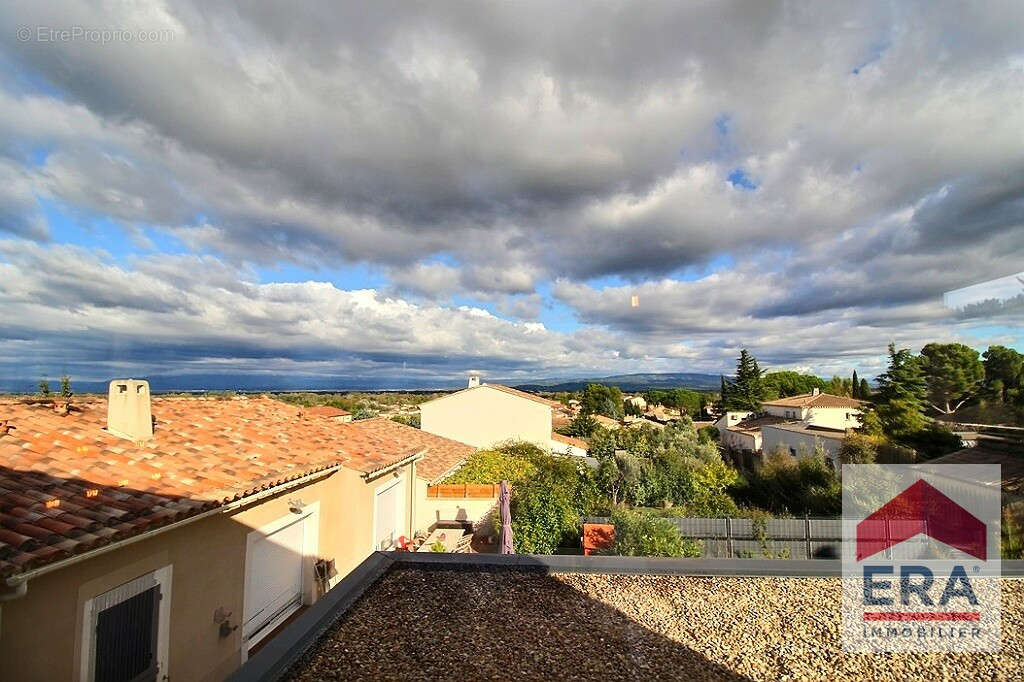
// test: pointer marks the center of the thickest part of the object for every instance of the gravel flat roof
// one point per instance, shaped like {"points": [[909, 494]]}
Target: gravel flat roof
{"points": [[448, 623]]}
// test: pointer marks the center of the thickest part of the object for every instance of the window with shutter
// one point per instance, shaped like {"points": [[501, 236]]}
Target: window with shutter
{"points": [[125, 631]]}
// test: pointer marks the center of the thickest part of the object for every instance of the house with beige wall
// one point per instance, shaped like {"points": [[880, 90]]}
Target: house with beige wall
{"points": [[169, 538], [484, 415]]}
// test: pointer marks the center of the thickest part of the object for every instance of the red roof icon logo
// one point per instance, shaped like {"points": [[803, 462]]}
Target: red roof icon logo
{"points": [[921, 508]]}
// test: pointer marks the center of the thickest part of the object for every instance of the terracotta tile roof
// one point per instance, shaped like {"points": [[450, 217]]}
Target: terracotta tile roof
{"points": [[327, 411], [819, 400], [606, 422], [441, 456], [67, 486], [569, 440]]}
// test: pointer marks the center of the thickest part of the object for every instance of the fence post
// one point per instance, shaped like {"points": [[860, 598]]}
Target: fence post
{"points": [[728, 536], [807, 534]]}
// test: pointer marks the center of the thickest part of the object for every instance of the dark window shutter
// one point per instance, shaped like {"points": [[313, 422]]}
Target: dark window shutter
{"points": [[126, 639]]}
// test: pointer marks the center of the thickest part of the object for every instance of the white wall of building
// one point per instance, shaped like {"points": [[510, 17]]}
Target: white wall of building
{"points": [[560, 448], [796, 443], [484, 416], [747, 440], [834, 417], [729, 419], [796, 413]]}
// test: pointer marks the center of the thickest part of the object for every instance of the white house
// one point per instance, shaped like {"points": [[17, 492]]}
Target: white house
{"points": [[794, 424], [818, 409], [484, 415], [636, 401]]}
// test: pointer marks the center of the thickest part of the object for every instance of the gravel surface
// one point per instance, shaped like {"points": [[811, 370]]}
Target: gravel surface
{"points": [[440, 623]]}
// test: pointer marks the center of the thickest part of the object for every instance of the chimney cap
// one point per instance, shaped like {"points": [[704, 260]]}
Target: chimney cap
{"points": [[474, 380]]}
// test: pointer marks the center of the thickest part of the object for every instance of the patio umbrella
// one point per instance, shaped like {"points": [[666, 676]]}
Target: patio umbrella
{"points": [[504, 498]]}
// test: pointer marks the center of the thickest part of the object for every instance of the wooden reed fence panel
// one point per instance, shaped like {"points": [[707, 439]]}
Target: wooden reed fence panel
{"points": [[462, 491]]}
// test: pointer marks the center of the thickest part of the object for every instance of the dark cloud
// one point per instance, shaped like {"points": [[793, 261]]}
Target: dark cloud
{"points": [[488, 153]]}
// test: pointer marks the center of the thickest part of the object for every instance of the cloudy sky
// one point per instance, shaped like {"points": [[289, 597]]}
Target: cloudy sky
{"points": [[206, 188]]}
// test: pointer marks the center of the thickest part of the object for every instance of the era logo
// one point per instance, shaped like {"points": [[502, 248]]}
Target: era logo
{"points": [[956, 586], [921, 558]]}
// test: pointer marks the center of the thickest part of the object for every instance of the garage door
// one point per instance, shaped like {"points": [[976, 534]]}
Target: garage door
{"points": [[273, 580]]}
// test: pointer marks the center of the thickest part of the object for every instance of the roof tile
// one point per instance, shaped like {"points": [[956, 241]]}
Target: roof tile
{"points": [[67, 485]]}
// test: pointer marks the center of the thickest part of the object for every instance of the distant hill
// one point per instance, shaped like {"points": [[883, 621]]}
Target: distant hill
{"points": [[632, 382], [290, 382]]}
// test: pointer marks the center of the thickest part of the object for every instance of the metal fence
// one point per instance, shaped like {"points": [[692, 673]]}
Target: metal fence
{"points": [[806, 538]]}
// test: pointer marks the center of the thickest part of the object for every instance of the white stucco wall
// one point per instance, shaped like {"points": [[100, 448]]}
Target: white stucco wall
{"points": [[729, 419], [776, 439], [741, 441], [485, 416], [798, 413], [834, 417], [560, 448]]}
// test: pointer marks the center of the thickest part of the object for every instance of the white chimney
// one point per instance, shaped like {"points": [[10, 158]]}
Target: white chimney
{"points": [[474, 380], [815, 391], [129, 414]]}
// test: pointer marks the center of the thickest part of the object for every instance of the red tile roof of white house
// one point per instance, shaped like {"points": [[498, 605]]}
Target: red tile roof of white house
{"points": [[816, 400]]}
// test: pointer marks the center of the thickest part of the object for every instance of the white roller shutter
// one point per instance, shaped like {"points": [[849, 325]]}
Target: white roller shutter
{"points": [[274, 579]]}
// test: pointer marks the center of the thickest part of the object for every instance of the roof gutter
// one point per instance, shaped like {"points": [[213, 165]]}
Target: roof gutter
{"points": [[17, 581], [377, 473]]}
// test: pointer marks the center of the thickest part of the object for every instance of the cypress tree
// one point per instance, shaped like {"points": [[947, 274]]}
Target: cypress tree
{"points": [[855, 386]]}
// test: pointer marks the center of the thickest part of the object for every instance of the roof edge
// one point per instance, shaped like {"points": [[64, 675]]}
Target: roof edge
{"points": [[223, 508]]}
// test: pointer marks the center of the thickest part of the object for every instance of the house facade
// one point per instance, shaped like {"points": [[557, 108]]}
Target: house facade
{"points": [[799, 439], [169, 538], [485, 415]]}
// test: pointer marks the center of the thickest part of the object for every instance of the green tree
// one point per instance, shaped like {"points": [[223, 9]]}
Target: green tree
{"points": [[44, 388], [643, 534], [746, 391], [601, 399], [952, 374], [65, 386], [1004, 372], [855, 386], [903, 380], [582, 425], [788, 383], [864, 392], [901, 418]]}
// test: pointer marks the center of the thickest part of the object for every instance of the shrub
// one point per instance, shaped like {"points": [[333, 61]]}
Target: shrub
{"points": [[510, 462], [411, 420], [547, 506], [858, 449], [708, 434], [788, 485], [643, 534]]}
